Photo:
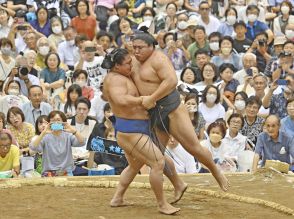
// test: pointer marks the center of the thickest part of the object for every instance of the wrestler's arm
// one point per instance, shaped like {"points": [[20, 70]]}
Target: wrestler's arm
{"points": [[118, 93], [166, 74]]}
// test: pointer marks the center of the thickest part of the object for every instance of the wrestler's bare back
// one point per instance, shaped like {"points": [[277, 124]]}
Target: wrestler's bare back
{"points": [[118, 89], [147, 75]]}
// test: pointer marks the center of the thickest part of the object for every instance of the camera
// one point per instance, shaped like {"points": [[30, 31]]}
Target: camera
{"points": [[22, 27], [249, 72], [23, 71], [262, 42]]}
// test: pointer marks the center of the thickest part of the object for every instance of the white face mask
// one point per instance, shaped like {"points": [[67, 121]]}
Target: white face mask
{"points": [[211, 98], [147, 18], [81, 83], [289, 34], [252, 17], [182, 25], [214, 46], [6, 51], [231, 20], [56, 29], [13, 92], [285, 9], [44, 50], [240, 104]]}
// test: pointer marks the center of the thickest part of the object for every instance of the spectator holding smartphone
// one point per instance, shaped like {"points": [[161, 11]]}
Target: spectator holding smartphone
{"points": [[55, 142]]}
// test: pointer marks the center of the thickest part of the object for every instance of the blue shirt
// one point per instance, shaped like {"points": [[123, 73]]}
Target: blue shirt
{"points": [[287, 126], [46, 30], [225, 29], [257, 27], [234, 59], [270, 150], [32, 114], [50, 77], [278, 105]]}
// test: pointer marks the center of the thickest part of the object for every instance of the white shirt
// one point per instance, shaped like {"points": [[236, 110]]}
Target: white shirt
{"points": [[239, 75], [212, 114], [8, 101], [212, 26], [184, 162], [5, 68], [233, 146], [97, 105], [217, 153], [67, 53]]}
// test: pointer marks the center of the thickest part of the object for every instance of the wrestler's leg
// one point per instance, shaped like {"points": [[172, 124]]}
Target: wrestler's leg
{"points": [[170, 170], [126, 177], [182, 129], [143, 149]]}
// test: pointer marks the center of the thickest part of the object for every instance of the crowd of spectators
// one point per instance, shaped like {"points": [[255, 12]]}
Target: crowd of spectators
{"points": [[234, 60]]}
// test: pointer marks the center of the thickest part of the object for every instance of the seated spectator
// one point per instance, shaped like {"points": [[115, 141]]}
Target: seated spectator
{"points": [[21, 130], [200, 43], [21, 74], [282, 20], [12, 98], [261, 49], [6, 22], [42, 24], [287, 123], [99, 130], [241, 42], [247, 85], [80, 77], [104, 42], [192, 103], [253, 123], [273, 144], [202, 58], [91, 64], [210, 107], [214, 39], [7, 62], [56, 36], [56, 146], [208, 21], [84, 22], [9, 155], [226, 28], [188, 76], [216, 132], [73, 93], [97, 105], [3, 127], [52, 77], [36, 107], [44, 47], [226, 71], [175, 51], [234, 141], [31, 56], [282, 66], [238, 106], [84, 124], [67, 11], [126, 31], [254, 26], [227, 55], [184, 162], [249, 61], [277, 102]]}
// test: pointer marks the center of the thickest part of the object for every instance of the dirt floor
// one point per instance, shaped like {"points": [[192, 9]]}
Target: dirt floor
{"points": [[65, 202]]}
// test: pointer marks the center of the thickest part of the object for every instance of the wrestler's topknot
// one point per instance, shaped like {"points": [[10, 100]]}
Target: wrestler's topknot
{"points": [[146, 37]]}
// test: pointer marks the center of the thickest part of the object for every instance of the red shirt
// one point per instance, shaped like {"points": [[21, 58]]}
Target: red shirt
{"points": [[88, 92], [85, 26]]}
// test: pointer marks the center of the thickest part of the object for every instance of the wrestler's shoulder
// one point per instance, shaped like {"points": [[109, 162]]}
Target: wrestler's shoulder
{"points": [[112, 77], [158, 55]]}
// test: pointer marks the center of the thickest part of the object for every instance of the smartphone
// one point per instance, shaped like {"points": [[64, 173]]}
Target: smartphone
{"points": [[90, 49], [56, 127], [282, 82], [21, 27], [249, 72]]}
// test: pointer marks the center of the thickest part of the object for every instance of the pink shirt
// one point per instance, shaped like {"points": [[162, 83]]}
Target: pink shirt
{"points": [[107, 3]]}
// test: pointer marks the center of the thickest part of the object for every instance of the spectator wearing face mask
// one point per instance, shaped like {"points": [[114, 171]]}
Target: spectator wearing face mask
{"points": [[80, 77], [214, 38], [289, 30], [282, 20], [44, 48], [227, 27], [210, 107], [56, 36], [13, 97], [238, 105], [254, 26]]}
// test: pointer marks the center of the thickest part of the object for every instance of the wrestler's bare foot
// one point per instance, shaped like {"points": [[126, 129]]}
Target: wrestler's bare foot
{"points": [[120, 203], [168, 209], [179, 193], [222, 180]]}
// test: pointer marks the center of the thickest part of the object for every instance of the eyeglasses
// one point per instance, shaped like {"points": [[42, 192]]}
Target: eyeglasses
{"points": [[4, 147], [204, 9]]}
